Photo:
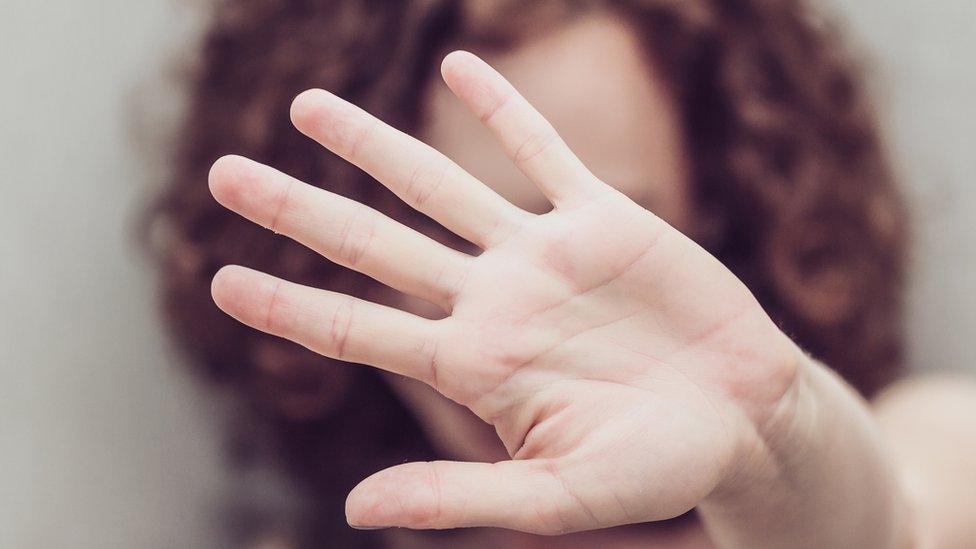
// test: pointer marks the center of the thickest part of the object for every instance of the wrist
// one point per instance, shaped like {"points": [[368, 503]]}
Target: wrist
{"points": [[777, 429], [813, 474]]}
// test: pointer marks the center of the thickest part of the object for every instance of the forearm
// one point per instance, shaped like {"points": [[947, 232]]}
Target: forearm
{"points": [[820, 479], [930, 426]]}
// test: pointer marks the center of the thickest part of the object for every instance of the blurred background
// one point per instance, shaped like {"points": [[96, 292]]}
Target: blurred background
{"points": [[104, 442]]}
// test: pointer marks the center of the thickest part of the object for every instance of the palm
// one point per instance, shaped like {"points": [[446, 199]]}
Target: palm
{"points": [[585, 322], [619, 363]]}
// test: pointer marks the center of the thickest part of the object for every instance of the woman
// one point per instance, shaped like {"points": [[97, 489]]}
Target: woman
{"points": [[596, 368]]}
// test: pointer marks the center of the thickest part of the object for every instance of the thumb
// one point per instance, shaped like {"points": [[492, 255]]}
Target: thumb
{"points": [[525, 495]]}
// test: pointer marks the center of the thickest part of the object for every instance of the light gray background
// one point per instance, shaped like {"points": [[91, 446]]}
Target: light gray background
{"points": [[104, 444]]}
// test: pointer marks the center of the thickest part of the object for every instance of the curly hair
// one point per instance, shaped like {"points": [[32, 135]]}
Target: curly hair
{"points": [[788, 176]]}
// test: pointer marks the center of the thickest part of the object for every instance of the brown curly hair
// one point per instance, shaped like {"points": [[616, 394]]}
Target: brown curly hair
{"points": [[789, 179]]}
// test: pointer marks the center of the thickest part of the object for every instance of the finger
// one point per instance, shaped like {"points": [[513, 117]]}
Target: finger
{"points": [[341, 229], [527, 137], [331, 324], [519, 495], [422, 177]]}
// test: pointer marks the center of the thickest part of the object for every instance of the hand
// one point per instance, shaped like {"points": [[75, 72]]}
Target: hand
{"points": [[629, 374]]}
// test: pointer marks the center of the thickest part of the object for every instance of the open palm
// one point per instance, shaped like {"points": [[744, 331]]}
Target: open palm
{"points": [[628, 373]]}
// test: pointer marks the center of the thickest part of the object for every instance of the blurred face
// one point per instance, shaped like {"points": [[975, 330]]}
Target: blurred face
{"points": [[592, 81]]}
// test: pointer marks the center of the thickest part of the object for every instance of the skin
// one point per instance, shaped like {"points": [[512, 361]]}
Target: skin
{"points": [[629, 376], [568, 75]]}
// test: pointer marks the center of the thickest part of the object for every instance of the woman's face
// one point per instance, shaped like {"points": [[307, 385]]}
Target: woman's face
{"points": [[591, 79]]}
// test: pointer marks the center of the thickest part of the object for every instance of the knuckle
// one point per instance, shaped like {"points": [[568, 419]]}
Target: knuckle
{"points": [[339, 329], [435, 513], [534, 145], [496, 105], [424, 182], [430, 349], [356, 237], [276, 316], [281, 205]]}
